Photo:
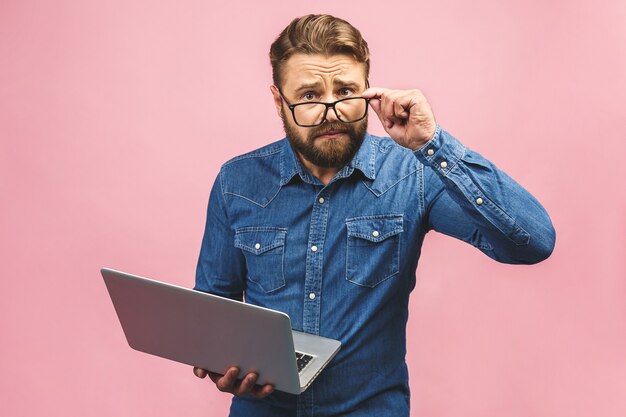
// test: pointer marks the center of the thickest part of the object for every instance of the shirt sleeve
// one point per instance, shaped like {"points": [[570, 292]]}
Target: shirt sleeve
{"points": [[221, 267], [468, 197]]}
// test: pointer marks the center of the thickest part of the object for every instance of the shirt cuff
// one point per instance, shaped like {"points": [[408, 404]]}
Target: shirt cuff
{"points": [[442, 152]]}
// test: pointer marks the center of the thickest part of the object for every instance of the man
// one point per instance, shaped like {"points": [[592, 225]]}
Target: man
{"points": [[327, 224]]}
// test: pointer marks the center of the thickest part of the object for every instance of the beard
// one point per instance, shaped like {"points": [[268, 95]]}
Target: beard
{"points": [[331, 153]]}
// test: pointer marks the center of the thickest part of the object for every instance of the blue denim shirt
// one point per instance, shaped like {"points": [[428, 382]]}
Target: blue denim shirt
{"points": [[340, 259]]}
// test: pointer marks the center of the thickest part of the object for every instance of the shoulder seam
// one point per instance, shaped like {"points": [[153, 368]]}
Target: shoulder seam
{"points": [[259, 153]]}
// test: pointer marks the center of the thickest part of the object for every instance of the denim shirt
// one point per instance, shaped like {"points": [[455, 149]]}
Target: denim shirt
{"points": [[340, 259]]}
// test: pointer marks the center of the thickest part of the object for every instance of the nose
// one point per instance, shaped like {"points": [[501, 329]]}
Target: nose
{"points": [[331, 116], [328, 97]]}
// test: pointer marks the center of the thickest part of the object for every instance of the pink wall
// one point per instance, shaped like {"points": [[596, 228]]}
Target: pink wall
{"points": [[116, 115]]}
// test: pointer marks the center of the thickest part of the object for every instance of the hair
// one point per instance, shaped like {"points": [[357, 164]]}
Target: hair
{"points": [[317, 34]]}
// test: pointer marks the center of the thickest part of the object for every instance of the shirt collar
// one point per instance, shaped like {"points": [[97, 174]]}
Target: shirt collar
{"points": [[364, 160]]}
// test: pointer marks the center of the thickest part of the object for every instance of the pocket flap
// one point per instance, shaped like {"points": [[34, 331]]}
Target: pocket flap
{"points": [[258, 240], [375, 228]]}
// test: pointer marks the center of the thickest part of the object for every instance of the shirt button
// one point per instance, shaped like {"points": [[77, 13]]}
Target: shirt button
{"points": [[444, 164], [257, 246], [430, 152], [314, 248], [479, 201], [321, 200], [375, 233], [312, 296]]}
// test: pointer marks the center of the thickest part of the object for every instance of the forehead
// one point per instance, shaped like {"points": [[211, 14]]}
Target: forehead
{"points": [[302, 68]]}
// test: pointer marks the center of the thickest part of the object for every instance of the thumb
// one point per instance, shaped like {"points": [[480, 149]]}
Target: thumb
{"points": [[375, 105]]}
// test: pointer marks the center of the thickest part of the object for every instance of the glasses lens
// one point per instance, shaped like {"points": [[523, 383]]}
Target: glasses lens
{"points": [[351, 110], [348, 111], [309, 114]]}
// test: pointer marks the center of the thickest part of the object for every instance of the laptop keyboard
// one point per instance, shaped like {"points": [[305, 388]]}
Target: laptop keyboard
{"points": [[302, 360]]}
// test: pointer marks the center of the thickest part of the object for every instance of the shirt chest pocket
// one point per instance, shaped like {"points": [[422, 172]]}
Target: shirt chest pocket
{"points": [[264, 250], [373, 249]]}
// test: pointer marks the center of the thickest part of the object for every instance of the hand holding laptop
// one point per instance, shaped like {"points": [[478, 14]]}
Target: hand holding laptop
{"points": [[228, 382]]}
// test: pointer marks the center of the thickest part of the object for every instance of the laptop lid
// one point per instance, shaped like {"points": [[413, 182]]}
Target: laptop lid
{"points": [[211, 332]]}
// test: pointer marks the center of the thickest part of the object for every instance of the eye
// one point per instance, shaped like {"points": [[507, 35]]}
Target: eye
{"points": [[346, 92], [308, 96]]}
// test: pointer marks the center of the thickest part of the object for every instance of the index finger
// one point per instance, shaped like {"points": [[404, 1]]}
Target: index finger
{"points": [[227, 381], [374, 92]]}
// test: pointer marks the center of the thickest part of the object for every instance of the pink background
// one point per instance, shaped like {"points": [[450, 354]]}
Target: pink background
{"points": [[116, 115]]}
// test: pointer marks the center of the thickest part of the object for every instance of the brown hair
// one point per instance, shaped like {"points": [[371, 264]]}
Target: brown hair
{"points": [[318, 34]]}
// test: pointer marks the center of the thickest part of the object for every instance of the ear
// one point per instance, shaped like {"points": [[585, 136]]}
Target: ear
{"points": [[278, 101]]}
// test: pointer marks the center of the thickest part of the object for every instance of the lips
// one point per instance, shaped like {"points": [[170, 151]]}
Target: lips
{"points": [[332, 132]]}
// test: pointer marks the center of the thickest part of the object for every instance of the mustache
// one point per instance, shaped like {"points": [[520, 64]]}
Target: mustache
{"points": [[327, 128]]}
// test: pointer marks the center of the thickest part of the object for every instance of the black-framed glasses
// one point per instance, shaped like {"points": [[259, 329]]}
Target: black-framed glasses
{"points": [[313, 113]]}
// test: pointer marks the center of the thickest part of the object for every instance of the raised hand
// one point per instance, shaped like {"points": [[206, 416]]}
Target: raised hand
{"points": [[405, 115]]}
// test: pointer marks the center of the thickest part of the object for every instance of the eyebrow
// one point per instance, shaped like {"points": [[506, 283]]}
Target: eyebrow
{"points": [[346, 83], [336, 82], [307, 86]]}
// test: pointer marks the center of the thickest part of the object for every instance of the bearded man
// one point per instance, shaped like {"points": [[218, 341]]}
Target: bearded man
{"points": [[327, 224]]}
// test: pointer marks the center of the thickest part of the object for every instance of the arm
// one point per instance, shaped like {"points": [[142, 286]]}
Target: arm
{"points": [[221, 270], [468, 197]]}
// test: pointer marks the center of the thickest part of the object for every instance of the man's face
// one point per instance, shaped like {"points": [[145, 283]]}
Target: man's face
{"points": [[327, 79]]}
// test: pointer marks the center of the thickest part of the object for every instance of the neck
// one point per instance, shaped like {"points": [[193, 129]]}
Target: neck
{"points": [[325, 175]]}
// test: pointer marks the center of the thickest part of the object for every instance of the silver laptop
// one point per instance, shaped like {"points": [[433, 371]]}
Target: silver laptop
{"points": [[214, 333]]}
